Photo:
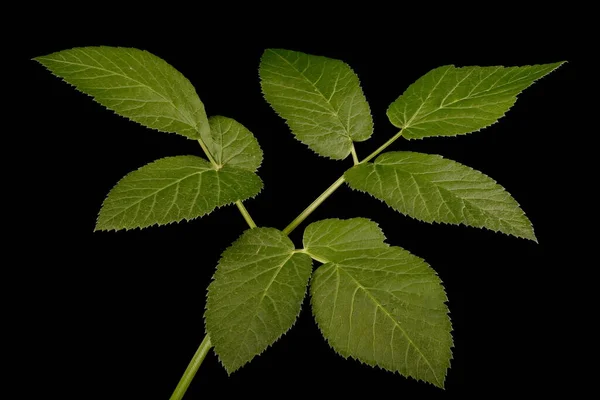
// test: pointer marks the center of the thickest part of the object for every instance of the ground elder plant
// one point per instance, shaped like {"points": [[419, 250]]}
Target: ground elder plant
{"points": [[372, 300]]}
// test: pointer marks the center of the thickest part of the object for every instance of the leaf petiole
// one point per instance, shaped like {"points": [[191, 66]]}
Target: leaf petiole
{"points": [[304, 214], [382, 147], [245, 214], [210, 157], [354, 156]]}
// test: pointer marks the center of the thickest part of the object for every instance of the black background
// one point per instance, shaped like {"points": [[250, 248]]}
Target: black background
{"points": [[122, 312]]}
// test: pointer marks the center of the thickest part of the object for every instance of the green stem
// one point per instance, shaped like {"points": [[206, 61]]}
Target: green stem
{"points": [[298, 220], [354, 156], [382, 147], [208, 155], [191, 369], [245, 214]]}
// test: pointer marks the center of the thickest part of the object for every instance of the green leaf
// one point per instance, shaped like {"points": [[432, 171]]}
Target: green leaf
{"points": [[378, 304], [256, 295], [431, 188], [385, 308], [233, 144], [135, 84], [320, 98], [336, 239], [450, 101], [173, 189]]}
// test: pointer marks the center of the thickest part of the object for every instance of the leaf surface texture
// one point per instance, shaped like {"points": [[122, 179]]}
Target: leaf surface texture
{"points": [[256, 295], [135, 84], [172, 189], [380, 304], [450, 101], [320, 98], [431, 188]]}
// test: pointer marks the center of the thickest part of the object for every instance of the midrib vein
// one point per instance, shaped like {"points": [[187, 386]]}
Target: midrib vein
{"points": [[396, 324], [466, 200], [191, 124], [492, 91], [176, 182], [319, 92], [262, 297]]}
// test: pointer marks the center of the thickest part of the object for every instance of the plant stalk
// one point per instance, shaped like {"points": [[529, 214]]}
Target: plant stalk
{"points": [[354, 156], [298, 220], [191, 369], [208, 155], [382, 147], [245, 214]]}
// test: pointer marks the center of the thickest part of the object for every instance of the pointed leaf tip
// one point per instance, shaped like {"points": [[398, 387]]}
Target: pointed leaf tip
{"points": [[135, 84], [450, 101]]}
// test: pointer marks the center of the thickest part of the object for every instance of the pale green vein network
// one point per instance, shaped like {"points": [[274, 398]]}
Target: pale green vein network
{"points": [[256, 295], [173, 189], [335, 239], [431, 188], [379, 304], [135, 84], [320, 99], [233, 144], [450, 101]]}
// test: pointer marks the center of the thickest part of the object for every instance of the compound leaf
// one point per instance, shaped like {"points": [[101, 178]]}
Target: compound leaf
{"points": [[256, 295], [173, 189], [320, 98], [450, 101], [135, 84], [385, 308], [233, 144], [431, 188]]}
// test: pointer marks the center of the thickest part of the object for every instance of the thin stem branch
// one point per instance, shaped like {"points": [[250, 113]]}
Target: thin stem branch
{"points": [[191, 369], [354, 156], [382, 147], [208, 155], [304, 214], [309, 210], [238, 203], [245, 214]]}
